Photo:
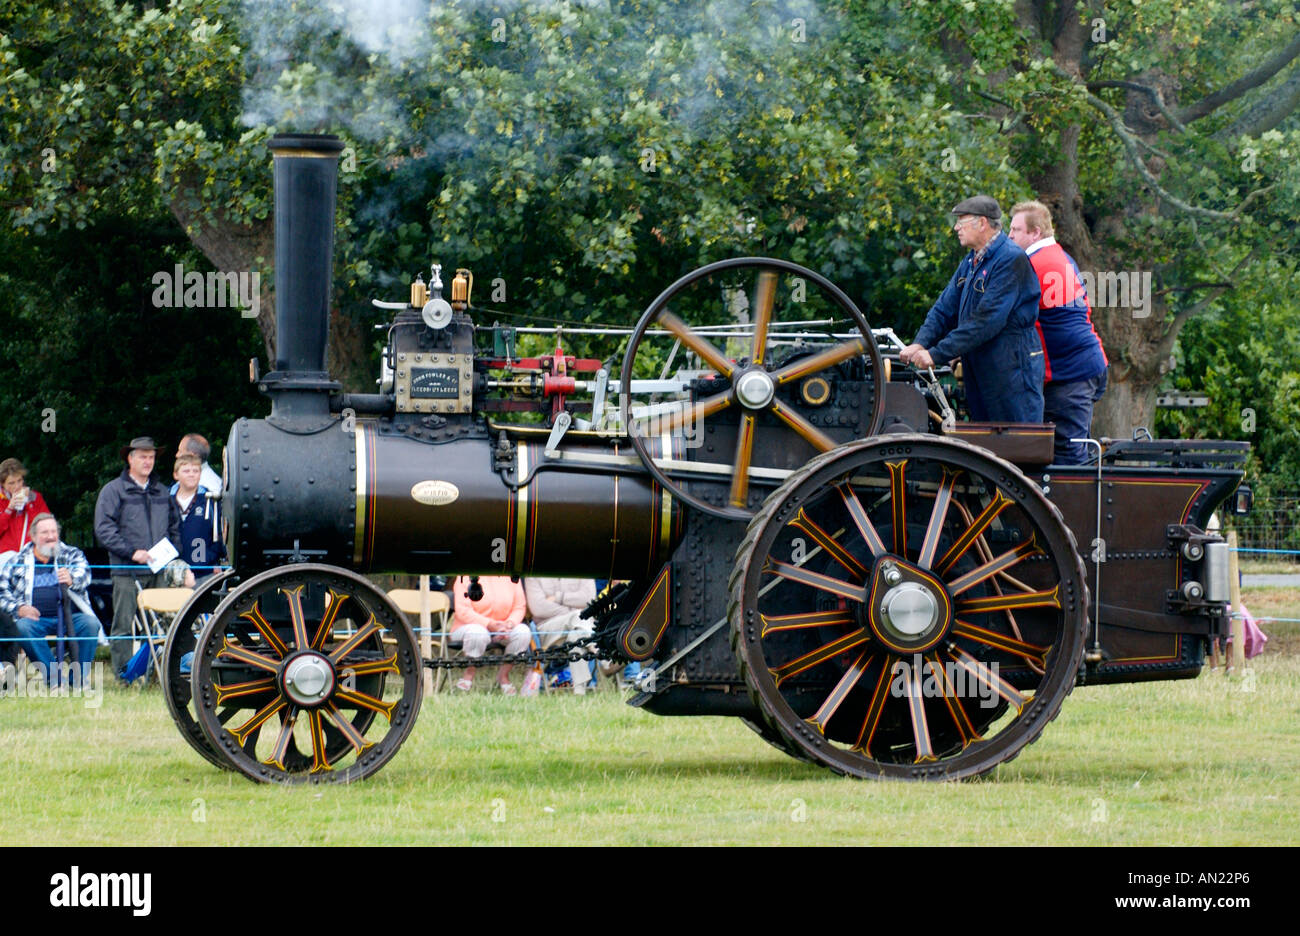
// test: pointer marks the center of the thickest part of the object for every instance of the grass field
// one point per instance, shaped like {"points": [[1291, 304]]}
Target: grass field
{"points": [[1204, 761]]}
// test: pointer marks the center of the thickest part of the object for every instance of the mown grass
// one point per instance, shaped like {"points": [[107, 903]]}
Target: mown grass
{"points": [[1205, 761]]}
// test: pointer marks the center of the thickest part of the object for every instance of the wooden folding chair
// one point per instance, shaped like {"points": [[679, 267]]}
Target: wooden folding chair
{"points": [[422, 605]]}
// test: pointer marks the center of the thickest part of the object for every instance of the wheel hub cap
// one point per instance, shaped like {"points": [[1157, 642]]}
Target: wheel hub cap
{"points": [[308, 679], [755, 389], [909, 609]]}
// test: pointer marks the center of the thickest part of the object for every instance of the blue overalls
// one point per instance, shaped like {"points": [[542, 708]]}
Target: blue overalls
{"points": [[986, 316]]}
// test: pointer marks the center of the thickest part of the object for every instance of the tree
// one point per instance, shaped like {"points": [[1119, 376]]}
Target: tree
{"points": [[1163, 136]]}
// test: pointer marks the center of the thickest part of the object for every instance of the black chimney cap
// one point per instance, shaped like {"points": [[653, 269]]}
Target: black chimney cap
{"points": [[319, 142]]}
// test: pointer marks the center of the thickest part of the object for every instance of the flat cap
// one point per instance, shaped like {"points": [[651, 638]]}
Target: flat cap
{"points": [[985, 206]]}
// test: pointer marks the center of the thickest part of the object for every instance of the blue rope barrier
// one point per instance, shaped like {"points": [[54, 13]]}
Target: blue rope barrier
{"points": [[1285, 552]]}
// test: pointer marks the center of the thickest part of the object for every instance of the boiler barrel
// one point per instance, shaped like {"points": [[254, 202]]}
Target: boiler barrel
{"points": [[384, 503]]}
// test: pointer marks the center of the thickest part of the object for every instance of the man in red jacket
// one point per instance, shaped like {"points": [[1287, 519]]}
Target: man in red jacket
{"points": [[18, 505], [1074, 362]]}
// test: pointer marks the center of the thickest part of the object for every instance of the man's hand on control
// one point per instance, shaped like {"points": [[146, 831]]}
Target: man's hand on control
{"points": [[917, 356], [29, 611]]}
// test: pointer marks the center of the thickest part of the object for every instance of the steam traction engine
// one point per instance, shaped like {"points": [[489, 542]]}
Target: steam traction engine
{"points": [[804, 536]]}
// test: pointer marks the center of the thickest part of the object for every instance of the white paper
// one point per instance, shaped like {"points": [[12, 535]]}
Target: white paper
{"points": [[162, 553]]}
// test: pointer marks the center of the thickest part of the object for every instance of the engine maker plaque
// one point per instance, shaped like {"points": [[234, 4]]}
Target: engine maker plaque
{"points": [[434, 383]]}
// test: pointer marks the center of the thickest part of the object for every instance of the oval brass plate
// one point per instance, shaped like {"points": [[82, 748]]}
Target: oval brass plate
{"points": [[435, 493]]}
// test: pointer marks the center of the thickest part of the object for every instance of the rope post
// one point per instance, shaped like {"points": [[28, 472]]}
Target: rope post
{"points": [[1237, 662], [426, 634]]}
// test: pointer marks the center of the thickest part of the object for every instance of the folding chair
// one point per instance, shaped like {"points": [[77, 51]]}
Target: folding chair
{"points": [[155, 608], [408, 600]]}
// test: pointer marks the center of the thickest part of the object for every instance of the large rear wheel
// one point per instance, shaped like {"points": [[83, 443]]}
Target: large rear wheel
{"points": [[908, 607]]}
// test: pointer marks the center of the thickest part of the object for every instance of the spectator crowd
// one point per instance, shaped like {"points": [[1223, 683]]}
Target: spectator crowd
{"points": [[157, 536]]}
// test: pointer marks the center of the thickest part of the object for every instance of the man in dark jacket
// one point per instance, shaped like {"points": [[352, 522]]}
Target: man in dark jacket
{"points": [[134, 513], [986, 317]]}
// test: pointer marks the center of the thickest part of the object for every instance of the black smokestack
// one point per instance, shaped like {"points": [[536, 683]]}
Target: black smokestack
{"points": [[306, 176]]}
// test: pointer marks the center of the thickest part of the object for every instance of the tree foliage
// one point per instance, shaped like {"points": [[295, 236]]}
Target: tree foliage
{"points": [[580, 156]]}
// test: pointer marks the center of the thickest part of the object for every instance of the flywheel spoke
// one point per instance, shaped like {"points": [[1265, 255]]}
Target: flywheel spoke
{"points": [[806, 430], [764, 298], [820, 361], [744, 452], [706, 351]]}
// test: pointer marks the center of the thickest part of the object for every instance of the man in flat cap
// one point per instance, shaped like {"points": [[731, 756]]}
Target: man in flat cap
{"points": [[986, 316], [134, 513]]}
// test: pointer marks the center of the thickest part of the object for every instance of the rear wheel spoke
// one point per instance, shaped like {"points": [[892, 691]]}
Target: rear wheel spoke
{"points": [[824, 583], [841, 691], [1034, 653], [973, 532], [938, 514], [827, 542], [991, 568], [820, 655]]}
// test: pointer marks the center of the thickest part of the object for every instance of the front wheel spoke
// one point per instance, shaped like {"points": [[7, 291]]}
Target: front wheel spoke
{"points": [[820, 655], [786, 622], [806, 430], [282, 740], [255, 617], [821, 582], [369, 667], [363, 634], [898, 504], [828, 543], [876, 708], [744, 452], [1032, 652], [242, 689], [229, 651], [858, 513], [819, 362], [840, 692], [247, 728], [319, 756], [326, 626], [951, 698], [916, 712], [973, 532], [297, 618], [366, 701], [994, 566], [1048, 598], [764, 298], [987, 676], [706, 351], [358, 741], [938, 514]]}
